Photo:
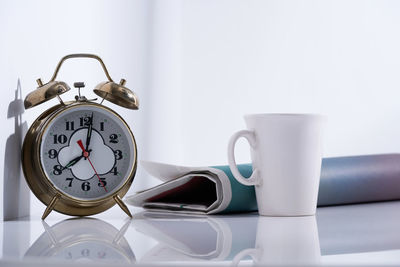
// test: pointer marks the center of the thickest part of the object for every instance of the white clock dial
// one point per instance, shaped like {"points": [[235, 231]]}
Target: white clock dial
{"points": [[87, 152], [100, 154]]}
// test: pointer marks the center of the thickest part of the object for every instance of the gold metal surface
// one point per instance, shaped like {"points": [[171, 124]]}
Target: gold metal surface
{"points": [[80, 56], [109, 90], [39, 82], [122, 205], [41, 185], [117, 94], [50, 206], [45, 92]]}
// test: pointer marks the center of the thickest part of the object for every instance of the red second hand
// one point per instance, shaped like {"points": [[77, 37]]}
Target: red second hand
{"points": [[86, 155]]}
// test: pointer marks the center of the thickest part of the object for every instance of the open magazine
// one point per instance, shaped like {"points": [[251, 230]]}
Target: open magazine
{"points": [[213, 190]]}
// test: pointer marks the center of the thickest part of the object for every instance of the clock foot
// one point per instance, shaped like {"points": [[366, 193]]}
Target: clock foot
{"points": [[121, 232], [50, 206], [50, 234], [122, 205]]}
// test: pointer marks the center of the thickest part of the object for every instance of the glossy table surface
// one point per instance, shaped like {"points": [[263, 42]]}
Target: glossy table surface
{"points": [[340, 235]]}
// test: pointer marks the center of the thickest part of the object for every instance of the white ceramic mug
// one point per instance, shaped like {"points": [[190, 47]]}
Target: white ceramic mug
{"points": [[286, 154]]}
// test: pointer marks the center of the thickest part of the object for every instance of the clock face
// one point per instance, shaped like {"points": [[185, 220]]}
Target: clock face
{"points": [[87, 152]]}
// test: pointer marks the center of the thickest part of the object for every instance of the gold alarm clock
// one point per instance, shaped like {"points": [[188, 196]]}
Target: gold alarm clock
{"points": [[80, 157]]}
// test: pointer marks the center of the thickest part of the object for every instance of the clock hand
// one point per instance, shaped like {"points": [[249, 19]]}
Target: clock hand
{"points": [[86, 155], [89, 132], [72, 162]]}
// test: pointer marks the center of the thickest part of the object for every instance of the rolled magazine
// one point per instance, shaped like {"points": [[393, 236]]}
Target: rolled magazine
{"points": [[213, 190]]}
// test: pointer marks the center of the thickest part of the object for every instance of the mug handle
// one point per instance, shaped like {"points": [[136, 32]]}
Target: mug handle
{"points": [[251, 138], [254, 253]]}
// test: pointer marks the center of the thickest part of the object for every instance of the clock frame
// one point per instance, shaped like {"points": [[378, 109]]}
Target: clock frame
{"points": [[41, 186]]}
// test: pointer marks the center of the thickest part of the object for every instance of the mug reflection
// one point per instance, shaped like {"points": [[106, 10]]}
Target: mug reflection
{"points": [[284, 240]]}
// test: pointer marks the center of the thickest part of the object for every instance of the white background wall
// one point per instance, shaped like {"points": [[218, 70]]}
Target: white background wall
{"points": [[199, 66], [338, 58]]}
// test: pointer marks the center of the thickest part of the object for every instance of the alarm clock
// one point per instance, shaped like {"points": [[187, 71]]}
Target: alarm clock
{"points": [[80, 157]]}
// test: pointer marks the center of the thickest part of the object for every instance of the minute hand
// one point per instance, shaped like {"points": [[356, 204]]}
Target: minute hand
{"points": [[89, 133]]}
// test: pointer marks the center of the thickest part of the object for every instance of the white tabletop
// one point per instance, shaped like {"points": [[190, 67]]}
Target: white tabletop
{"points": [[340, 235]]}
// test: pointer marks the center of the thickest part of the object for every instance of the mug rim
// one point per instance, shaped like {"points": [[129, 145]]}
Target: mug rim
{"points": [[304, 115]]}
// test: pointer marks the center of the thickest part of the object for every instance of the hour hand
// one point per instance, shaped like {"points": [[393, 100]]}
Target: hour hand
{"points": [[72, 162], [89, 133]]}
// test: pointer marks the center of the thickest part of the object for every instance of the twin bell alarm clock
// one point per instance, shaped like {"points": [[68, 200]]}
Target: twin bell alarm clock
{"points": [[80, 157]]}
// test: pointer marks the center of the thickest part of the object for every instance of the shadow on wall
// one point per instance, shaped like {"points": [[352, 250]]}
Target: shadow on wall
{"points": [[16, 202]]}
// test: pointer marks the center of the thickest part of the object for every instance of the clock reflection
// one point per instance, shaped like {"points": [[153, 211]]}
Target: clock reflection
{"points": [[82, 240]]}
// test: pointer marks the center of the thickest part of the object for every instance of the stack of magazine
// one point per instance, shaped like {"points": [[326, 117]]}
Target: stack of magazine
{"points": [[213, 190]]}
